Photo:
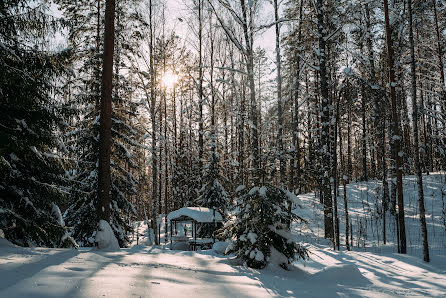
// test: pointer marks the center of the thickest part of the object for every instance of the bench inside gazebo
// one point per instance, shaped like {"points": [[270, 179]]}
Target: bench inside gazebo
{"points": [[195, 216]]}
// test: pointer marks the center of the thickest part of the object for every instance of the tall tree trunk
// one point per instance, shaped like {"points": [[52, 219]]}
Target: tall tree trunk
{"points": [[364, 135], [380, 124], [415, 136], [423, 146], [295, 157], [104, 175], [344, 185], [98, 50], [213, 166], [279, 98], [335, 172], [325, 122], [153, 119], [395, 131], [200, 88], [249, 35], [349, 139]]}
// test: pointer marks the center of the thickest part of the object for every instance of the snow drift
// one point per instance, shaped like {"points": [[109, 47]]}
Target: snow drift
{"points": [[105, 238]]}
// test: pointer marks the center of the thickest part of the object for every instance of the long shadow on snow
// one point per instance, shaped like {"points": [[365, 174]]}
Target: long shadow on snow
{"points": [[391, 273], [30, 269], [298, 283], [113, 258]]}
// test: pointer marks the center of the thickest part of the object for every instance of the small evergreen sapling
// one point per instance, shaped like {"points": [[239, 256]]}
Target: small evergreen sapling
{"points": [[259, 227]]}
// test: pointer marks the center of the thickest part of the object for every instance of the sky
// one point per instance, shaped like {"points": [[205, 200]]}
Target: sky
{"points": [[177, 9], [266, 39]]}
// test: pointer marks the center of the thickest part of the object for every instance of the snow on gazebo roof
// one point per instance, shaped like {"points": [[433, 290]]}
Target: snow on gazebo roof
{"points": [[199, 214]]}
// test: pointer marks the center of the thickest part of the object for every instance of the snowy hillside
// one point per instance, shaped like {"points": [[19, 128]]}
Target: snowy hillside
{"points": [[146, 271], [364, 204]]}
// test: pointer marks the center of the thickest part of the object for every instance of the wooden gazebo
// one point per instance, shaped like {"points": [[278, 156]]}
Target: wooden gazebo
{"points": [[193, 215]]}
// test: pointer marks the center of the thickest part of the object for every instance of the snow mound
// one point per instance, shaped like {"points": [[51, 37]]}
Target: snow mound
{"points": [[277, 258], [340, 274], [105, 238], [220, 247], [150, 237]]}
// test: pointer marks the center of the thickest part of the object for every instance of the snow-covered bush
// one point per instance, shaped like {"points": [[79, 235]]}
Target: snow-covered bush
{"points": [[259, 227]]}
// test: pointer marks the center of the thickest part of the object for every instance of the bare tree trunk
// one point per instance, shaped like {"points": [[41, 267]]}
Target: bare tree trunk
{"points": [[98, 49], [415, 137], [344, 184], [325, 140], [380, 120], [349, 142], [249, 35], [166, 173], [295, 157], [240, 123], [335, 173], [104, 177], [279, 98], [200, 87], [154, 143], [364, 135], [395, 130], [213, 166]]}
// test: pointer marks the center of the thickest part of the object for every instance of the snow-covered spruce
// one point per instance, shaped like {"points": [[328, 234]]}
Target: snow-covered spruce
{"points": [[31, 171], [259, 227], [213, 195], [83, 137]]}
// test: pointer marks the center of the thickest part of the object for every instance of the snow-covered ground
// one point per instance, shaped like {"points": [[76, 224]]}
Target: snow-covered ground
{"points": [[146, 271], [142, 271], [364, 207]]}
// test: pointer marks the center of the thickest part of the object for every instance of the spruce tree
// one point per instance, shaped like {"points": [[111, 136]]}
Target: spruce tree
{"points": [[259, 229], [31, 170], [85, 38]]}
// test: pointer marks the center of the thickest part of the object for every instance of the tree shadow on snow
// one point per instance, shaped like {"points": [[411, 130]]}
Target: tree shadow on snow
{"points": [[28, 270]]}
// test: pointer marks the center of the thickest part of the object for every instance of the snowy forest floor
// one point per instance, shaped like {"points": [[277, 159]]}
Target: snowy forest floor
{"points": [[370, 270]]}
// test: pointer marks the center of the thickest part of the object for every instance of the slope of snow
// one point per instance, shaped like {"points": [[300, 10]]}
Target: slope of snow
{"points": [[364, 207]]}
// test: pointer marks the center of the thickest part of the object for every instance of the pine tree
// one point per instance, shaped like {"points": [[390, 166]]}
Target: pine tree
{"points": [[259, 230], [85, 38], [32, 180]]}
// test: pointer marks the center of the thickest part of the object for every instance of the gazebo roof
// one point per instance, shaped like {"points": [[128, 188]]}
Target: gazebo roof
{"points": [[199, 214]]}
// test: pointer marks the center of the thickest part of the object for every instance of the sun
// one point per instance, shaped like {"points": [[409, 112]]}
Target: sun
{"points": [[169, 79]]}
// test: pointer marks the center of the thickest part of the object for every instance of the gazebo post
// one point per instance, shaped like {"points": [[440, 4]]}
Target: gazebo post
{"points": [[215, 226], [195, 234], [171, 234]]}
